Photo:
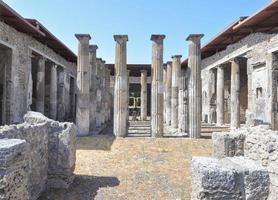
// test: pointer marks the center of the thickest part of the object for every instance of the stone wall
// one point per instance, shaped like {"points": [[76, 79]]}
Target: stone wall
{"points": [[257, 143], [51, 155], [20, 47], [258, 49]]}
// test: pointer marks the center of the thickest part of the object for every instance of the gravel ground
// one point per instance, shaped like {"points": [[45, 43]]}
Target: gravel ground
{"points": [[132, 168]]}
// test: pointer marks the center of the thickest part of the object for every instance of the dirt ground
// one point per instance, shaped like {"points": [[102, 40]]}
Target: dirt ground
{"points": [[132, 168]]}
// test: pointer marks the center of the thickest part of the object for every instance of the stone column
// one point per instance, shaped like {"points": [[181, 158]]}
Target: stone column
{"points": [[220, 96], [183, 104], [127, 112], [195, 85], [103, 97], [176, 71], [235, 92], [120, 91], [98, 95], [144, 93], [61, 107], [93, 63], [40, 86], [107, 89], [53, 92], [83, 85], [157, 86], [168, 89], [164, 92]]}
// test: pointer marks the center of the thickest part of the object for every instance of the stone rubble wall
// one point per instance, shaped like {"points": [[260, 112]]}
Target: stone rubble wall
{"points": [[14, 169], [256, 143], [51, 155], [18, 74], [229, 178]]}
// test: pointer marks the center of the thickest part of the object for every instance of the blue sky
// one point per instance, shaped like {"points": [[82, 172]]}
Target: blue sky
{"points": [[137, 18]]}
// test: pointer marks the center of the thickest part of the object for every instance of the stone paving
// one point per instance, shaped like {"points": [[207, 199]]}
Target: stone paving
{"points": [[132, 168]]}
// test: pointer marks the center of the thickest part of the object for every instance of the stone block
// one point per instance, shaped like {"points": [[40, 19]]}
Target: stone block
{"points": [[13, 169], [228, 144], [228, 178]]}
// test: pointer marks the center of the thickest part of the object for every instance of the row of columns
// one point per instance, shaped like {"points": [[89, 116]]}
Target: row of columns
{"points": [[235, 93], [93, 89], [56, 96]]}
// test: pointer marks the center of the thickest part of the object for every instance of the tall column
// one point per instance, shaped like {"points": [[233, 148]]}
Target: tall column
{"points": [[98, 95], [195, 85], [83, 86], [235, 92], [107, 91], [144, 94], [40, 86], [183, 104], [164, 92], [168, 93], [127, 111], [61, 108], [103, 98], [120, 93], [220, 96], [93, 63], [157, 86], [176, 70], [53, 92]]}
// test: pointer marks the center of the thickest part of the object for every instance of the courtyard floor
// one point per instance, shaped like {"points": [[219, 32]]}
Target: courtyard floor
{"points": [[132, 168]]}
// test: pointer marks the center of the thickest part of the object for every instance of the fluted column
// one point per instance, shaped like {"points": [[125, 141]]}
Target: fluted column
{"points": [[98, 93], [83, 85], [157, 86], [93, 63], [164, 92], [120, 93], [53, 92], [220, 96], [195, 85], [183, 104], [107, 91], [176, 70], [235, 92], [127, 112], [168, 89], [103, 97], [144, 94], [40, 86]]}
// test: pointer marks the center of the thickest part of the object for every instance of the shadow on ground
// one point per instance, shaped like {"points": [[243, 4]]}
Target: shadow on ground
{"points": [[83, 188]]}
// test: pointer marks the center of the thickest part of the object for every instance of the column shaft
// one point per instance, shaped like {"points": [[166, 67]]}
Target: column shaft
{"points": [[144, 95], [157, 86], [40, 86], [195, 86], [183, 104], [83, 86], [120, 94], [93, 89], [168, 93], [220, 96], [176, 70], [235, 92], [53, 92]]}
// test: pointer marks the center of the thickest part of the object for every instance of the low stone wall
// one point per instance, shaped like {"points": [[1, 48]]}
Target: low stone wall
{"points": [[51, 151], [229, 178], [13, 169], [256, 143]]}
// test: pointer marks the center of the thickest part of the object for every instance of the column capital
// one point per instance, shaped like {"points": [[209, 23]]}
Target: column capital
{"points": [[237, 59], [157, 38], [83, 38], [194, 37], [103, 61], [178, 57], [169, 63], [143, 71], [121, 38], [93, 48]]}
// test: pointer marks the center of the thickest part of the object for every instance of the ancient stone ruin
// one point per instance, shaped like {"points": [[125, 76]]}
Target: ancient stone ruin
{"points": [[49, 96], [35, 155]]}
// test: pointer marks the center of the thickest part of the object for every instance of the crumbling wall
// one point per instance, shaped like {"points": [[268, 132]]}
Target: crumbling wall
{"points": [[51, 156], [258, 143], [14, 169]]}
